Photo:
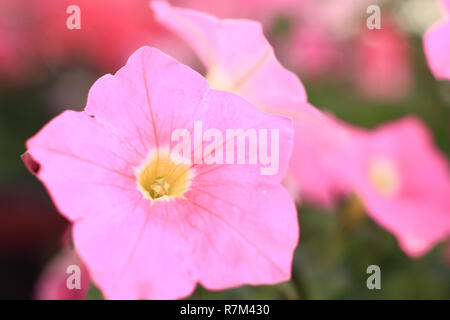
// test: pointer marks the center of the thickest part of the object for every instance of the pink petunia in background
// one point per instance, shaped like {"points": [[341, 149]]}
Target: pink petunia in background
{"points": [[34, 35], [329, 41], [110, 31], [17, 51], [148, 226], [403, 181], [320, 35], [437, 44], [382, 63], [312, 52]]}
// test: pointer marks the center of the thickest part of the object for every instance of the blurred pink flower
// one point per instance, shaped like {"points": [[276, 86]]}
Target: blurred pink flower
{"points": [[34, 34], [148, 226], [110, 31], [320, 34], [437, 45], [315, 143], [238, 58], [403, 181], [382, 63], [340, 18], [17, 53], [52, 283], [312, 52]]}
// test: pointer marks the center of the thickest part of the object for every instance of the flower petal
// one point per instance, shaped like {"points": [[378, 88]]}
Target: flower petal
{"points": [[135, 101], [83, 163], [437, 48], [137, 253], [235, 241]]}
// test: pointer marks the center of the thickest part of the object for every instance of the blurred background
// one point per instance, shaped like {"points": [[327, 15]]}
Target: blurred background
{"points": [[365, 77]]}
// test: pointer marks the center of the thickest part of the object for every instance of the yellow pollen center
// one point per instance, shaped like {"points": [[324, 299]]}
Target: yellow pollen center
{"points": [[384, 177], [163, 178], [219, 80]]}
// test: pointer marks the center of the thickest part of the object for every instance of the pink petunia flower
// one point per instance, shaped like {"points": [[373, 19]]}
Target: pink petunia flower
{"points": [[437, 45], [383, 67], [53, 282], [403, 181], [239, 59], [151, 225]]}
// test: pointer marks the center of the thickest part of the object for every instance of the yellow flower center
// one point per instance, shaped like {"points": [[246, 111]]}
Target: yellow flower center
{"points": [[163, 178], [219, 80], [384, 176]]}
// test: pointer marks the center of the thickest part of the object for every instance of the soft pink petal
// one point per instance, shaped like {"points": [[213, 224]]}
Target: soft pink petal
{"points": [[240, 241], [317, 137], [446, 4], [436, 43], [236, 113], [82, 162], [437, 48], [137, 253], [234, 240], [135, 101]]}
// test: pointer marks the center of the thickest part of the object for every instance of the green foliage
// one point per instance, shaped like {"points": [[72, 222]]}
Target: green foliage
{"points": [[94, 293]]}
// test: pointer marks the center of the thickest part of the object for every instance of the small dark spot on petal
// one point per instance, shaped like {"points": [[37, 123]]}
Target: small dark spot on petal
{"points": [[32, 165]]}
